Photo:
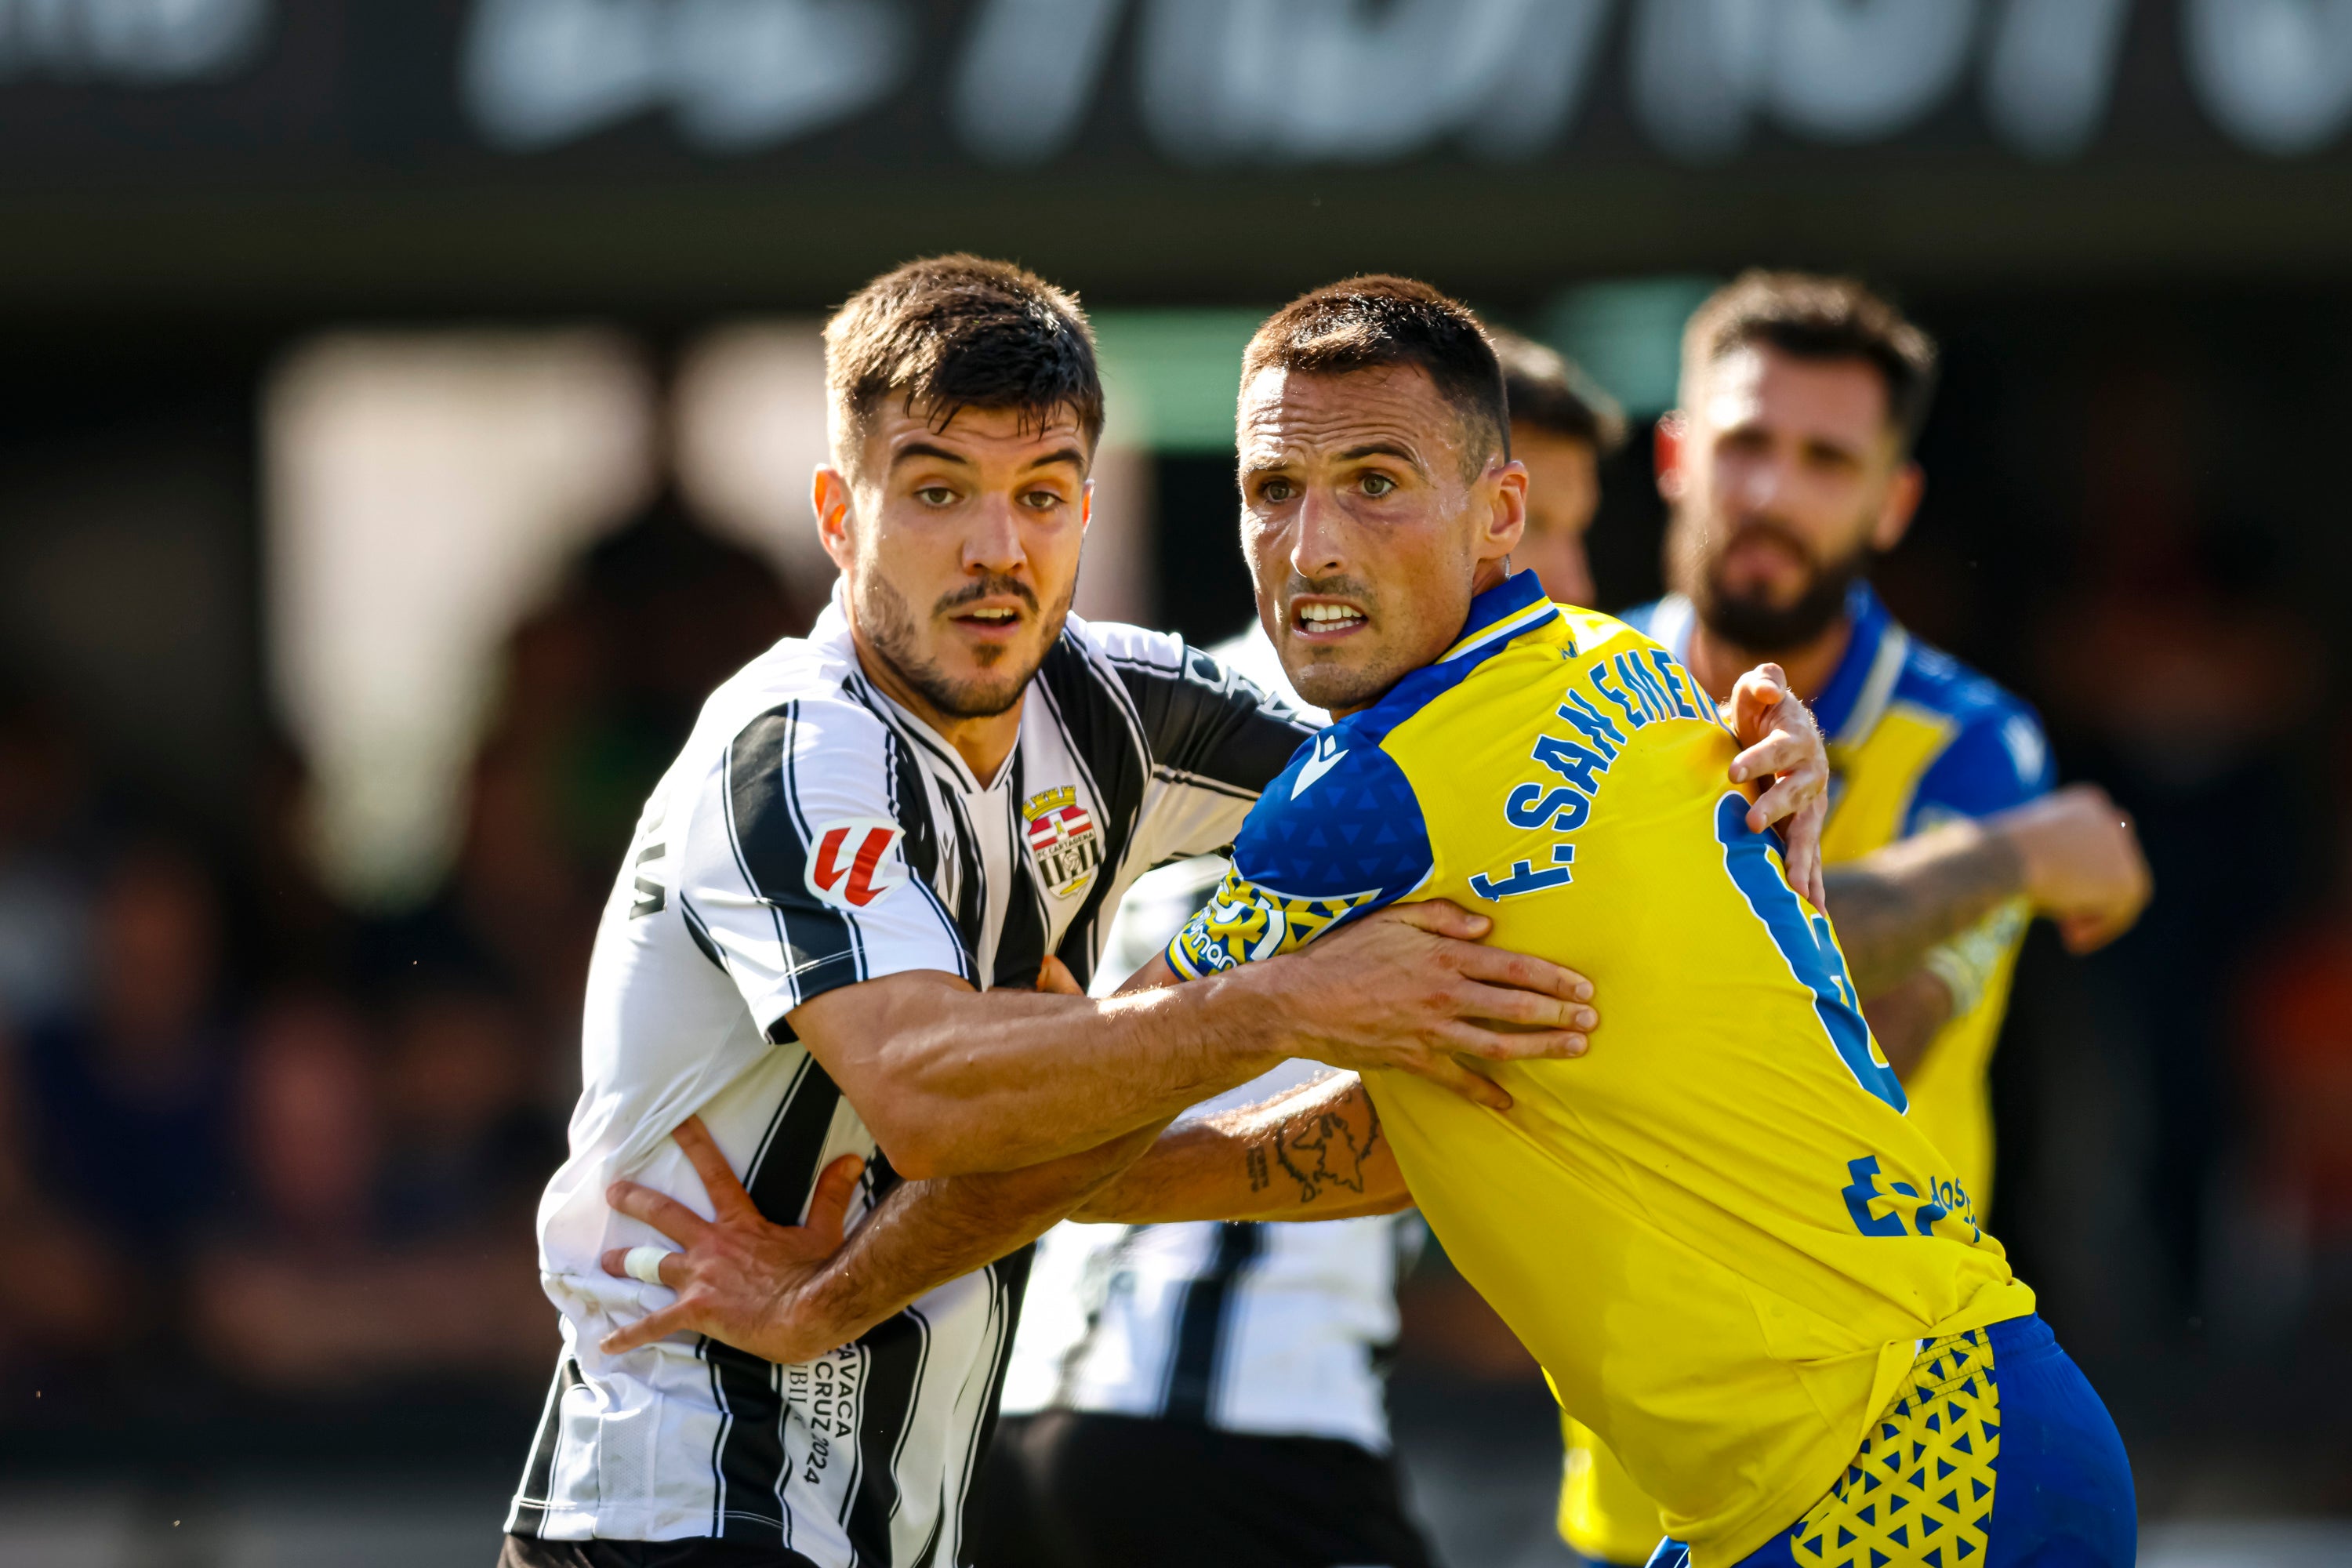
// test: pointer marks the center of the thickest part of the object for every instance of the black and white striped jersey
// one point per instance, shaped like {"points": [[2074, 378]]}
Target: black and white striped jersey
{"points": [[1274, 1330], [813, 835]]}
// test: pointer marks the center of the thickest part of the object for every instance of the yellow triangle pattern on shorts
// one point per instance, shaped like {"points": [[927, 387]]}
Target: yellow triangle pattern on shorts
{"points": [[1919, 1494]]}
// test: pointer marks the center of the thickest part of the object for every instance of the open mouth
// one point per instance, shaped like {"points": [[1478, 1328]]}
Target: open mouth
{"points": [[1321, 618]]}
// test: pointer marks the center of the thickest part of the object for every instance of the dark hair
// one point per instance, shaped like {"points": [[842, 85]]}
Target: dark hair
{"points": [[1545, 391], [1370, 323], [960, 331], [1810, 316]]}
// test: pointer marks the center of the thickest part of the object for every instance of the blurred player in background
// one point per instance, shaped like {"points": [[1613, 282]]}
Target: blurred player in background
{"points": [[1789, 472], [1227, 1378]]}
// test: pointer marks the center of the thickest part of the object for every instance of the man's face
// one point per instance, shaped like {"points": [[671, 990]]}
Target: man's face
{"points": [[1786, 478], [1363, 530], [960, 547], [1563, 491]]}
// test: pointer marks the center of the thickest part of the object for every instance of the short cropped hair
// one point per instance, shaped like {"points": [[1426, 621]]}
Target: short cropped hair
{"points": [[1810, 316], [1545, 391], [950, 332], [1374, 322]]}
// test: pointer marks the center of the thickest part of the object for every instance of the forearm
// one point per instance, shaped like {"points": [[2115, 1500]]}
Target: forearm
{"points": [[924, 1234], [1314, 1154], [955, 1082], [1892, 907], [1906, 1018]]}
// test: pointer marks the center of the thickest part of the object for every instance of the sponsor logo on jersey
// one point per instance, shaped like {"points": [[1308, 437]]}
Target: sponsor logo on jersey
{"points": [[1062, 839], [853, 863]]}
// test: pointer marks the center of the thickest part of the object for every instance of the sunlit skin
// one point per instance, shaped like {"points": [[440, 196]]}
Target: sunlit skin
{"points": [[959, 546], [1367, 528], [1773, 467], [1563, 492]]}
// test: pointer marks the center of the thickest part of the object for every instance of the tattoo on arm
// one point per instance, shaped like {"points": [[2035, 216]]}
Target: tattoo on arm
{"points": [[1892, 907], [1322, 1151]]}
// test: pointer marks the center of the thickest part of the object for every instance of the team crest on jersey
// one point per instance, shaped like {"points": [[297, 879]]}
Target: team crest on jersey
{"points": [[1062, 839], [853, 863]]}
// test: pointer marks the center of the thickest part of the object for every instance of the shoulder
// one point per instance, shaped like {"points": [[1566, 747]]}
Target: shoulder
{"points": [[1342, 818], [1998, 756], [797, 703], [1145, 659]]}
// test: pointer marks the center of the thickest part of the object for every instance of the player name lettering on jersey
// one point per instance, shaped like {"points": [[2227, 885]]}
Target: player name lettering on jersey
{"points": [[1647, 691]]}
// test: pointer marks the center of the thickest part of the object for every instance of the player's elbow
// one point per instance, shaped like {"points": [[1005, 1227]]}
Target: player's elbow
{"points": [[925, 1139]]}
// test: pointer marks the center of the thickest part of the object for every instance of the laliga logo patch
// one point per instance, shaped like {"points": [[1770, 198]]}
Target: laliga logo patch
{"points": [[850, 864], [1062, 839]]}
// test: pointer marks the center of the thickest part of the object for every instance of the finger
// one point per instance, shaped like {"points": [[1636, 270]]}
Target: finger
{"points": [[1055, 976], [1509, 1005], [677, 1317], [1786, 799], [1778, 753], [1473, 1087], [1442, 917], [829, 1203], [615, 1262], [1754, 696], [659, 1210], [1521, 971], [727, 1194], [1533, 1044]]}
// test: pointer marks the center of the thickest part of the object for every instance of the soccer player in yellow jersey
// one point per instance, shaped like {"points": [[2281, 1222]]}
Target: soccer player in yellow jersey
{"points": [[1735, 1257], [1788, 468]]}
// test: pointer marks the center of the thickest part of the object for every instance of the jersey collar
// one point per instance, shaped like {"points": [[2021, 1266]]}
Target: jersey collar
{"points": [[1849, 705], [1511, 606]]}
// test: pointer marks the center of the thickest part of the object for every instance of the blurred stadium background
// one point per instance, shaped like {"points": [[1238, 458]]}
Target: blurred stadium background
{"points": [[408, 412]]}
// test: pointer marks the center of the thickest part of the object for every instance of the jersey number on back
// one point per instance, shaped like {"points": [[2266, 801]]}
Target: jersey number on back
{"points": [[1804, 940]]}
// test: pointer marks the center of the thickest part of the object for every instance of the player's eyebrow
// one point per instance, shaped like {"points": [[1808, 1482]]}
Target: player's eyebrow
{"points": [[914, 449], [1384, 449], [1069, 455]]}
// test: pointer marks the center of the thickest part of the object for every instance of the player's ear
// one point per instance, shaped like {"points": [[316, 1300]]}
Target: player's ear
{"points": [[1507, 512], [829, 494], [1902, 504], [1667, 453]]}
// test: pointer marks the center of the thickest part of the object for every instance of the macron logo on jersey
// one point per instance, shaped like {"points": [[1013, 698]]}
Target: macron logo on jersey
{"points": [[1327, 752], [850, 864]]}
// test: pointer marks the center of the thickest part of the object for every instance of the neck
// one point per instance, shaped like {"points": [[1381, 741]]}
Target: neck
{"points": [[1488, 574], [1718, 663], [982, 743]]}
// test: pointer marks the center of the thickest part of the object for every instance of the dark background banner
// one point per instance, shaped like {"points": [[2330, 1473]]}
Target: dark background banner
{"points": [[395, 152]]}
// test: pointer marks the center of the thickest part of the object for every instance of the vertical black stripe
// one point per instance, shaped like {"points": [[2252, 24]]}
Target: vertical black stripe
{"points": [[1021, 939], [1201, 1323], [1099, 729], [751, 1459], [896, 1351], [772, 849], [539, 1470]]}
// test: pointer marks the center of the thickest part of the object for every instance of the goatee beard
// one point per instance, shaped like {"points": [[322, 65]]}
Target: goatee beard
{"points": [[1757, 626], [891, 633]]}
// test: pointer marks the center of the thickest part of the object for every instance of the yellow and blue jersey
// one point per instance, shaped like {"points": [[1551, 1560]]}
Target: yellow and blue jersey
{"points": [[1718, 1232], [1916, 739]]}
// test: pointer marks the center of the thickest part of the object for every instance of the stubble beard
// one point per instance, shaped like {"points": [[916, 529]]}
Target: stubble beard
{"points": [[891, 635]]}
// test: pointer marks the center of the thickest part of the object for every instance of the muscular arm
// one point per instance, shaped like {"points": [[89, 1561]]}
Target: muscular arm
{"points": [[1892, 907], [1905, 1016], [953, 1081], [791, 1293], [1313, 1153]]}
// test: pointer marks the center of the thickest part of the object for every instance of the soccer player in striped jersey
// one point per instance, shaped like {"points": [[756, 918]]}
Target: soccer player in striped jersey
{"points": [[813, 970], [1788, 468]]}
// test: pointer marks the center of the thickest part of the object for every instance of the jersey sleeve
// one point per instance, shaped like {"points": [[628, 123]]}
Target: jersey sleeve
{"points": [[793, 877], [1215, 740], [2000, 759], [1339, 834]]}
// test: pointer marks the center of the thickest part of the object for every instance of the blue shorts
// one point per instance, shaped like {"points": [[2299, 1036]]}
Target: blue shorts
{"points": [[1997, 1454]]}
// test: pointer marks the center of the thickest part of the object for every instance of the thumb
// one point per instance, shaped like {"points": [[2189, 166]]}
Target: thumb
{"points": [[829, 1203], [1443, 917], [1055, 976]]}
